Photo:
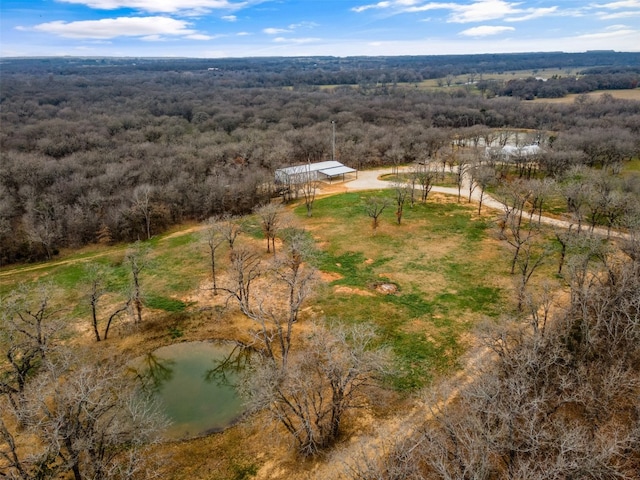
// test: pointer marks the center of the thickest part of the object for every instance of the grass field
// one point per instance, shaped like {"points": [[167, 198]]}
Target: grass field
{"points": [[441, 260]]}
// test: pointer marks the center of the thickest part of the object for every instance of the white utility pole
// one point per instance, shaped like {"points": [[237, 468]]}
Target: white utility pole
{"points": [[333, 143]]}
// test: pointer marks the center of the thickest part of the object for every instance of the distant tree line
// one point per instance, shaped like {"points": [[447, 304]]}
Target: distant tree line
{"points": [[103, 151], [558, 87], [296, 71]]}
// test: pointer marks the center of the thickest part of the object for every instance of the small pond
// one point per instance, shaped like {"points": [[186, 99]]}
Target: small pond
{"points": [[197, 393]]}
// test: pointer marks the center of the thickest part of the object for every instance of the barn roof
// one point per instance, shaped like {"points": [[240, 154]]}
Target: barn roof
{"points": [[335, 171], [311, 167]]}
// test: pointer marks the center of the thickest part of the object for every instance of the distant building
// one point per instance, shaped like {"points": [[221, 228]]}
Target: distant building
{"points": [[509, 151], [300, 174]]}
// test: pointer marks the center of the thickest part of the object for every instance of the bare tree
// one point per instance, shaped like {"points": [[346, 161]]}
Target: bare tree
{"points": [[396, 156], [270, 215], [95, 277], [461, 166], [28, 328], [42, 226], [541, 190], [311, 397], [277, 317], [136, 260], [402, 191], [575, 191], [631, 243], [97, 280], [426, 174], [11, 462], [531, 257], [82, 420], [540, 308], [448, 79], [516, 230], [374, 206], [586, 255], [213, 235], [246, 266], [309, 187], [141, 199], [231, 228], [483, 176]]}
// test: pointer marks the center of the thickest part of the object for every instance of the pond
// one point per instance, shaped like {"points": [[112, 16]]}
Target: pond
{"points": [[196, 392]]}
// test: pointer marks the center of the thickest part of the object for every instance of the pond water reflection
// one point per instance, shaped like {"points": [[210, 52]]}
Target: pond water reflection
{"points": [[195, 383]]}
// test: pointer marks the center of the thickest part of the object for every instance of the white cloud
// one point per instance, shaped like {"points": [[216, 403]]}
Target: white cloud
{"points": [[290, 29], [611, 10], [200, 36], [148, 27], [614, 31], [614, 16], [485, 30], [372, 6], [617, 5], [477, 11], [303, 25], [484, 10], [275, 31], [163, 6], [298, 41], [230, 18], [530, 14]]}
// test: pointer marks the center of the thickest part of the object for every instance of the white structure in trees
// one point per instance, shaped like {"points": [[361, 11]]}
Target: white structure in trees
{"points": [[301, 174], [509, 151]]}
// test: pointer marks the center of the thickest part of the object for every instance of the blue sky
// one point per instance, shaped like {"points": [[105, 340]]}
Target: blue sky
{"points": [[241, 28]]}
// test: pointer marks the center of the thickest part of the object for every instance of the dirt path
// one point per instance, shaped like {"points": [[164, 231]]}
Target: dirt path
{"points": [[110, 251], [345, 460], [22, 269]]}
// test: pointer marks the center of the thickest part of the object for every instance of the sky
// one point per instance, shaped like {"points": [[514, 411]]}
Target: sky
{"points": [[255, 28]]}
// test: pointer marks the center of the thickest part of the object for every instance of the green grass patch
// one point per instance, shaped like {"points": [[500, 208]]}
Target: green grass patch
{"points": [[338, 207], [182, 240], [473, 299], [415, 366], [632, 166], [69, 276], [413, 304], [433, 259], [165, 303], [252, 227], [352, 267]]}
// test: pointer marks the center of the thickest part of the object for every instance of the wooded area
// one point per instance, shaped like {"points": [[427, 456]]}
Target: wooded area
{"points": [[109, 150]]}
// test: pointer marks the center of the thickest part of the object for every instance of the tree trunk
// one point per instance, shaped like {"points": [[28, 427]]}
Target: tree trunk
{"points": [[94, 315]]}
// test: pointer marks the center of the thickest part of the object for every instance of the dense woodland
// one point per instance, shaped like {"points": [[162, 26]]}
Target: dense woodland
{"points": [[107, 150]]}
